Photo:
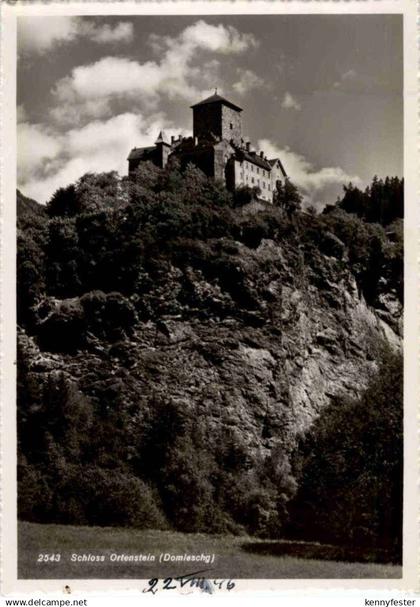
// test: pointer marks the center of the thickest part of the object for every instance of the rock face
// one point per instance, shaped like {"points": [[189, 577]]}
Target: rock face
{"points": [[261, 369]]}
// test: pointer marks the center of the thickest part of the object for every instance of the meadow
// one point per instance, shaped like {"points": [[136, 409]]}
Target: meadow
{"points": [[235, 557]]}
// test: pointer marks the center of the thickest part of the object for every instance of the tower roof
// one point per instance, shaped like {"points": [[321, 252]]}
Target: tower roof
{"points": [[142, 153], [162, 138], [217, 99]]}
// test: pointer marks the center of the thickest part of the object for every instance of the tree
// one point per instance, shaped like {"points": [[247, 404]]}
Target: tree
{"points": [[246, 194], [350, 468], [30, 273], [287, 197], [64, 202], [146, 176], [62, 257], [92, 192], [381, 202]]}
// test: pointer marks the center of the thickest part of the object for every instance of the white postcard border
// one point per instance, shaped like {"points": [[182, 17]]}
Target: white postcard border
{"points": [[9, 13]]}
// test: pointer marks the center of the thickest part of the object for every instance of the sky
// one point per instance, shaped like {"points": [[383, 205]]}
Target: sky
{"points": [[321, 92]]}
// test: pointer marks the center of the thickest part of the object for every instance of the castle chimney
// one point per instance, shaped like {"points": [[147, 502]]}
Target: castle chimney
{"points": [[261, 154], [248, 146], [172, 139]]}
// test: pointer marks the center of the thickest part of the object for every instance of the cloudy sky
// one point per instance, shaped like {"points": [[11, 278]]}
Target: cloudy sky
{"points": [[322, 92]]}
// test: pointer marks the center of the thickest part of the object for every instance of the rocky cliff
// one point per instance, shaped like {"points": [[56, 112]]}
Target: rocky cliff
{"points": [[174, 336], [264, 376]]}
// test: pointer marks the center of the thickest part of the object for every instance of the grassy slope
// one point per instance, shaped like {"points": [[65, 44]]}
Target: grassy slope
{"points": [[230, 559]]}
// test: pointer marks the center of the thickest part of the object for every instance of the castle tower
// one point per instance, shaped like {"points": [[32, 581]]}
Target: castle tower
{"points": [[218, 116], [163, 149]]}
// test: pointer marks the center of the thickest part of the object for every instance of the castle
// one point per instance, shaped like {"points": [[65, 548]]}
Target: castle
{"points": [[217, 148]]}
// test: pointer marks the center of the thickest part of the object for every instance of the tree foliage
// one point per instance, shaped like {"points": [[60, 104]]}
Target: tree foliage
{"points": [[287, 197], [111, 258], [350, 475], [381, 202]]}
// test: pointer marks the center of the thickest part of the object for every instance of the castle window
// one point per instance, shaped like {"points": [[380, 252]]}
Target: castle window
{"points": [[269, 187], [258, 170], [252, 167], [258, 182], [263, 173], [252, 179], [264, 184]]}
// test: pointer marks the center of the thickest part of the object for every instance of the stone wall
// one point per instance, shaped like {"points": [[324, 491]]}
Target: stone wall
{"points": [[222, 121], [207, 119], [162, 155], [231, 127], [222, 153]]}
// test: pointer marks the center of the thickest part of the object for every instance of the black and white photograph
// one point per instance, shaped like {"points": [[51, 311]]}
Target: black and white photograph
{"points": [[209, 298]]}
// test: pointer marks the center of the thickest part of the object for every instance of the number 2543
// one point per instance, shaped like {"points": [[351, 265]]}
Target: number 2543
{"points": [[45, 558]]}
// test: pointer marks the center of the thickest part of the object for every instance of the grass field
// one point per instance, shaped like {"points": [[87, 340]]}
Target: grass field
{"points": [[231, 558]]}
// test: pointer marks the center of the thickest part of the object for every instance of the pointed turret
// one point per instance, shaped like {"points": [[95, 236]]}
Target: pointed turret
{"points": [[163, 149], [162, 139]]}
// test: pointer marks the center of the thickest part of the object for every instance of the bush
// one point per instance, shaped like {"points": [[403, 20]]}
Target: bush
{"points": [[63, 328], [350, 469], [113, 497], [381, 202], [62, 256], [30, 271], [34, 494], [108, 315]]}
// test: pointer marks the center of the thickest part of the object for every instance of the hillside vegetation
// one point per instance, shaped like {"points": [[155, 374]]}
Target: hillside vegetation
{"points": [[187, 363]]}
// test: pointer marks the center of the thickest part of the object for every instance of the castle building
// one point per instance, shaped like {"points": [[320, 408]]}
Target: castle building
{"points": [[218, 148]]}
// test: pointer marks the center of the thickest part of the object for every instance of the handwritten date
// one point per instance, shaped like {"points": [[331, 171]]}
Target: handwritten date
{"points": [[190, 580]]}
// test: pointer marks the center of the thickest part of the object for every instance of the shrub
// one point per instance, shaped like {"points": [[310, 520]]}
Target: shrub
{"points": [[349, 469], [108, 315], [114, 497], [63, 328], [34, 494]]}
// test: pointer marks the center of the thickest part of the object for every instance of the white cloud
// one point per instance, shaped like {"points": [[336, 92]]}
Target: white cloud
{"points": [[35, 147], [101, 145], [71, 111], [91, 100], [122, 32], [173, 75], [247, 82], [224, 39], [40, 34], [290, 103], [109, 76], [351, 81], [319, 186]]}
